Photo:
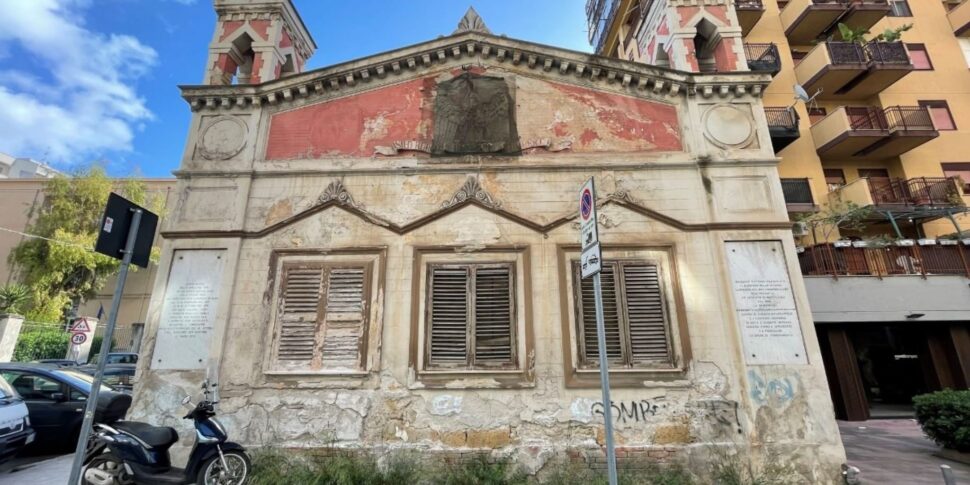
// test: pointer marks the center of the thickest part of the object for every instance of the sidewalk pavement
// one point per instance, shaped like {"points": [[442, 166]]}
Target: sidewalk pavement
{"points": [[895, 451], [52, 471]]}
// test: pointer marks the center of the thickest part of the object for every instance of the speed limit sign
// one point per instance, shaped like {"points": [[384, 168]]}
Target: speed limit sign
{"points": [[78, 338]]}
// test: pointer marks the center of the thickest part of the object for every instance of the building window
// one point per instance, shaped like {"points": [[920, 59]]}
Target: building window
{"points": [[834, 178], [323, 315], [635, 316], [816, 114], [940, 113], [471, 316], [919, 57], [900, 8], [961, 170], [797, 56], [782, 4], [965, 47]]}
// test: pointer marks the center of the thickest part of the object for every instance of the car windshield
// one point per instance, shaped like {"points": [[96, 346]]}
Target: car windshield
{"points": [[80, 380], [6, 391]]}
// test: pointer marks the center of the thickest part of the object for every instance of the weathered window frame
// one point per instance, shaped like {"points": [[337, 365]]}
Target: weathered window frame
{"points": [[519, 374], [373, 262], [669, 374], [471, 318], [627, 359]]}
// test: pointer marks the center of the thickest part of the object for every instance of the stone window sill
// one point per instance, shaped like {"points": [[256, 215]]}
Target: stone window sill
{"points": [[629, 378], [473, 379]]}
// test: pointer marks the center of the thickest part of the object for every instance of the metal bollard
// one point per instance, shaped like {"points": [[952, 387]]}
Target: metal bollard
{"points": [[850, 475], [948, 475]]}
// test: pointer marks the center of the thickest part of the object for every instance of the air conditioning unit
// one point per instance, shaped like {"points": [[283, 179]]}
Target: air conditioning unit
{"points": [[800, 229]]}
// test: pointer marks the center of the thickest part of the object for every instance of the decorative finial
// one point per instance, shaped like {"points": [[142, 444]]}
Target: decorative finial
{"points": [[471, 22]]}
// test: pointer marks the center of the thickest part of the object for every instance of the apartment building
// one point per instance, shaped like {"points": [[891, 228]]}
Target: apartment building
{"points": [[871, 125], [20, 168]]}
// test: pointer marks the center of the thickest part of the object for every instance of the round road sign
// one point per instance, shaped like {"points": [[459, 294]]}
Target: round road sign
{"points": [[78, 338], [586, 204]]}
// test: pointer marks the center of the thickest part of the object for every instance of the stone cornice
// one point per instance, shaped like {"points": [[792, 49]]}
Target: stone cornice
{"points": [[467, 48]]}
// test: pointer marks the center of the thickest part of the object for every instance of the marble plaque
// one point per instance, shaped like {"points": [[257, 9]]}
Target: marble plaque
{"points": [[189, 309], [770, 330]]}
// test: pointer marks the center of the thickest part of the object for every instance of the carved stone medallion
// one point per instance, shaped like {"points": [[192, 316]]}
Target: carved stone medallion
{"points": [[728, 126], [223, 138]]}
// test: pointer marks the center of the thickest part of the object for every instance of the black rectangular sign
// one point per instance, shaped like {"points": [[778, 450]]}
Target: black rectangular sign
{"points": [[113, 232]]}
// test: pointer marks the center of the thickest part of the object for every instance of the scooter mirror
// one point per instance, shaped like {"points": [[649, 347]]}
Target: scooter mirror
{"points": [[186, 401]]}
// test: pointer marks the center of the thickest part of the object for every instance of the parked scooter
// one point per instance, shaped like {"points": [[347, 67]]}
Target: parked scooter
{"points": [[128, 452]]}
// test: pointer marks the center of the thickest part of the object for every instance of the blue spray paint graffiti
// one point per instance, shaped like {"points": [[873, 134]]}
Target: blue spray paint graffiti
{"points": [[777, 391]]}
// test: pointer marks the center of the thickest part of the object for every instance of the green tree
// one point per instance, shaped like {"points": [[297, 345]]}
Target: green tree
{"points": [[14, 298], [838, 215], [60, 267]]}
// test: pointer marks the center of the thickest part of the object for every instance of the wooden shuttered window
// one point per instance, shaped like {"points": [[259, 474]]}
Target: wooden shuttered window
{"points": [[471, 316], [323, 316], [634, 316]]}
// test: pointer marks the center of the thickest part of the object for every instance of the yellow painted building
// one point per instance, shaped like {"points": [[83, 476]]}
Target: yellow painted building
{"points": [[866, 116]]}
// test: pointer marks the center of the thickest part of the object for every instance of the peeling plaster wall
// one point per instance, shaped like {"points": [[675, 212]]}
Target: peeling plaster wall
{"points": [[685, 197]]}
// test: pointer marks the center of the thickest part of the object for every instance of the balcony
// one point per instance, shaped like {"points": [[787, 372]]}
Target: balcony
{"points": [[828, 260], [920, 198], [763, 58], [749, 13], [807, 20], [960, 19], [782, 126], [850, 70], [798, 195], [870, 133]]}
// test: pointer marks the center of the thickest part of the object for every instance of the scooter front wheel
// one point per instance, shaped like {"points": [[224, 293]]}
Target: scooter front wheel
{"points": [[105, 469], [235, 471]]}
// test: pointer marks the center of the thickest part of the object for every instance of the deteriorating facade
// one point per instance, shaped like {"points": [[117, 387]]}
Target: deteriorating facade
{"points": [[383, 254]]}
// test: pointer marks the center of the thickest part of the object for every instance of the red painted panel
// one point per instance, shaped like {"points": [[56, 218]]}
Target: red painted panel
{"points": [[261, 27], [286, 41], [724, 57], [229, 27], [353, 126], [599, 121]]}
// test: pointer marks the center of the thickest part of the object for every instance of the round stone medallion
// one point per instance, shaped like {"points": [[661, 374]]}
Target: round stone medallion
{"points": [[727, 126], [223, 138]]}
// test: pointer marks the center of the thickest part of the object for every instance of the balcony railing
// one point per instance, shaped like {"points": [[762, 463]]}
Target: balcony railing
{"points": [[887, 53], [781, 117], [797, 191], [892, 119], [749, 5], [920, 191], [828, 260], [846, 53], [959, 16], [763, 57]]}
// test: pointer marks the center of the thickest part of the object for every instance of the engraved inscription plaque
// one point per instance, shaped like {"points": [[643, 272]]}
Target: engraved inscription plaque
{"points": [[189, 309], [770, 330]]}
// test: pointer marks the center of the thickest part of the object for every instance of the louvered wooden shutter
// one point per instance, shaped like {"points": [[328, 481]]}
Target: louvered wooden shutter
{"points": [[298, 312], [645, 313], [449, 316], [344, 320], [611, 316], [493, 315]]}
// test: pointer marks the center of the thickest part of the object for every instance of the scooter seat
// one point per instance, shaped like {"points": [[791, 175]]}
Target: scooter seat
{"points": [[154, 436]]}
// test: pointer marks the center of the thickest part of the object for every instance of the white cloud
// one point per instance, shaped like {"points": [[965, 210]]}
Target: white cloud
{"points": [[82, 102]]}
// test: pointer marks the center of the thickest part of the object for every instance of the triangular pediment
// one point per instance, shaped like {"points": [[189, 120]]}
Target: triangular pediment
{"points": [[473, 48]]}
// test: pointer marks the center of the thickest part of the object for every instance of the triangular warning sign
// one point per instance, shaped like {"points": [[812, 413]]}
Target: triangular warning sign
{"points": [[80, 326]]}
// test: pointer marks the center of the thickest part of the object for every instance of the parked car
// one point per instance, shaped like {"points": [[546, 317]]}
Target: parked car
{"points": [[15, 430], [118, 358], [121, 377], [59, 362], [55, 398]]}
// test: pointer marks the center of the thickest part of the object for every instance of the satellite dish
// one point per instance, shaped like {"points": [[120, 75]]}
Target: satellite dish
{"points": [[802, 95]]}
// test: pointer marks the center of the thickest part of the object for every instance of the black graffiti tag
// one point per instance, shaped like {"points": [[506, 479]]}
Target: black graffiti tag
{"points": [[628, 411]]}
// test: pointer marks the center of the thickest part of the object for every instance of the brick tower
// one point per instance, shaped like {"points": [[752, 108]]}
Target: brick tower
{"points": [[256, 41]]}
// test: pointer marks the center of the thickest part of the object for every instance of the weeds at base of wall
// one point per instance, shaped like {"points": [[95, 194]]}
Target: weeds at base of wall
{"points": [[276, 467]]}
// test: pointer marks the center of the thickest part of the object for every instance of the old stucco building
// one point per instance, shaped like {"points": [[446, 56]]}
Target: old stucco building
{"points": [[381, 253]]}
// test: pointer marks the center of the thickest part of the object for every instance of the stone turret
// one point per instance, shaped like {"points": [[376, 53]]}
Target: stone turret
{"points": [[256, 41], [692, 35]]}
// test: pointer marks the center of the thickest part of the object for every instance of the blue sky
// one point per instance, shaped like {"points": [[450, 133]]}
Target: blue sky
{"points": [[85, 81]]}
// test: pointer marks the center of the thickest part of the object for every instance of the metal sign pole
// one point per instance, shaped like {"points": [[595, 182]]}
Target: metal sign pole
{"points": [[92, 403], [605, 379]]}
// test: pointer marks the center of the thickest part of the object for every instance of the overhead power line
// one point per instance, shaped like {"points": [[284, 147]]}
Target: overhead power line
{"points": [[55, 241]]}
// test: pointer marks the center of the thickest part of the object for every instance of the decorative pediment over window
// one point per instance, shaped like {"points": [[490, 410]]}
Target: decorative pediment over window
{"points": [[474, 114]]}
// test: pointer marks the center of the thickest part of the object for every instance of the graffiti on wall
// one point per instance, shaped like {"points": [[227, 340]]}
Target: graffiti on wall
{"points": [[628, 411], [776, 391]]}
